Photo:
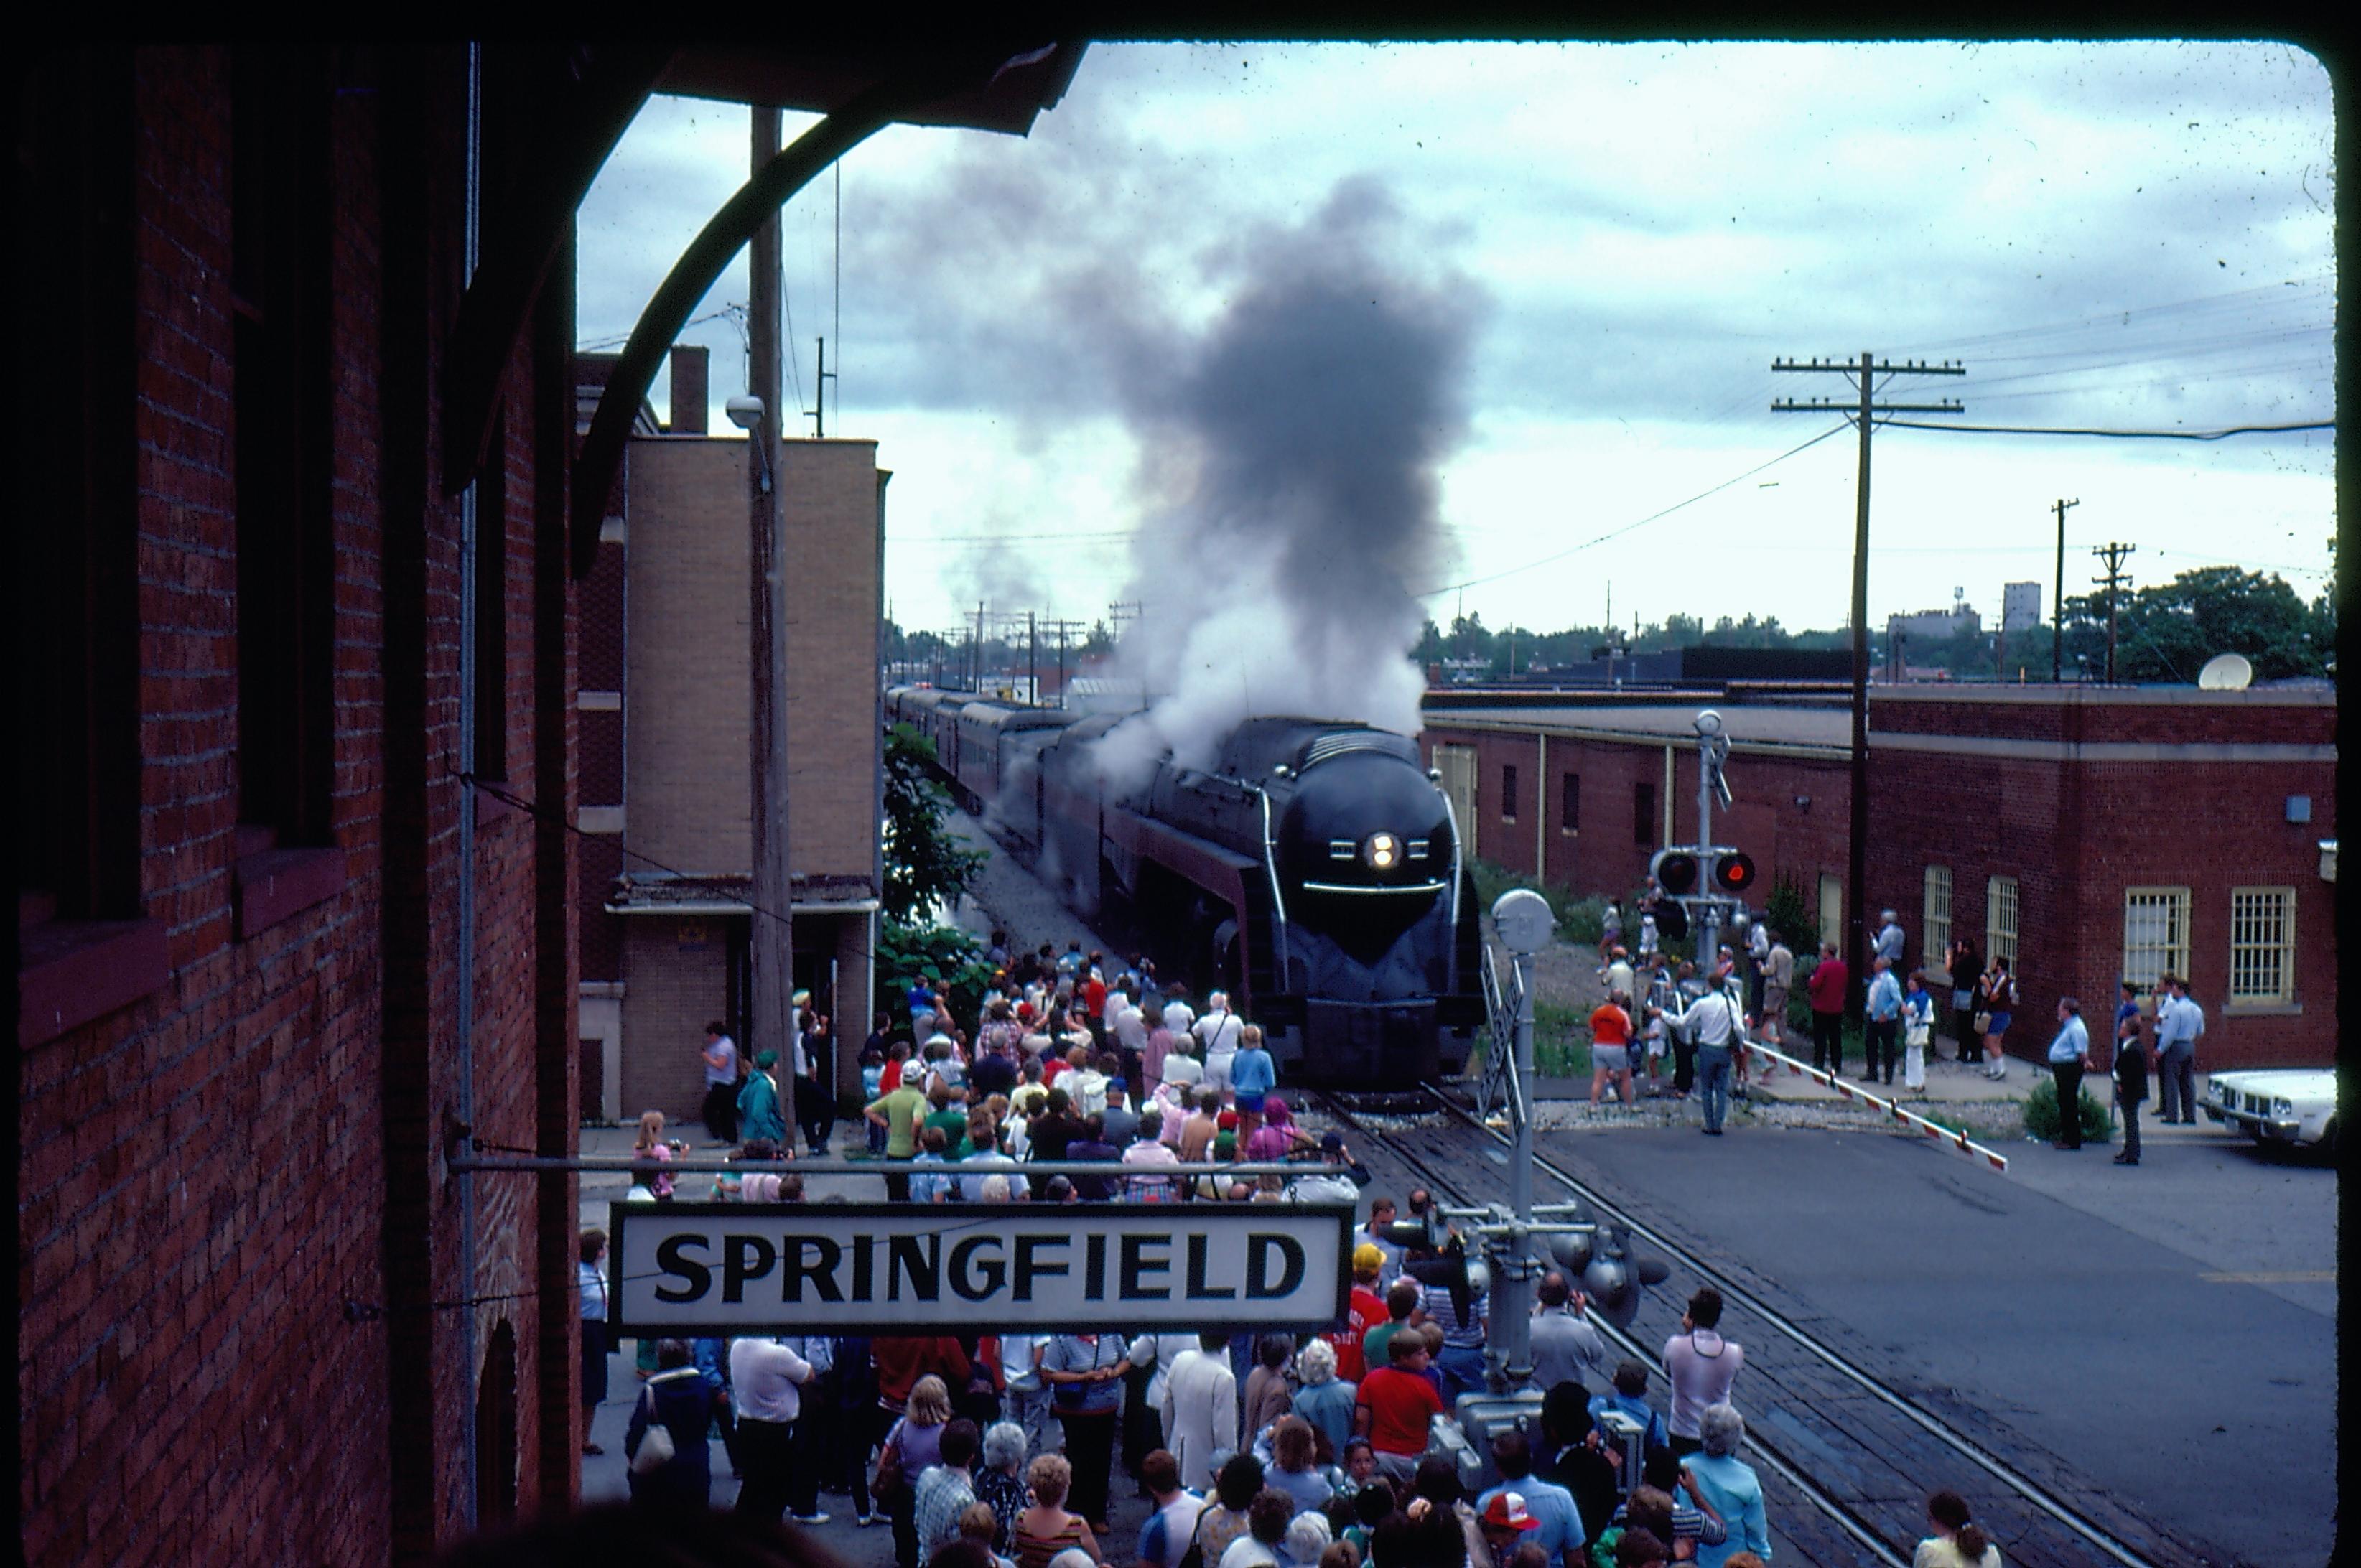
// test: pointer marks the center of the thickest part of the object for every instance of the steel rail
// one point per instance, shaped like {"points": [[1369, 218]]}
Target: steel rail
{"points": [[1998, 1468], [1835, 1509], [2017, 1481]]}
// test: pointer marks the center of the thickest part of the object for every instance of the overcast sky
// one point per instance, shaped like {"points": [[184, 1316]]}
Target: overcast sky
{"points": [[1603, 247]]}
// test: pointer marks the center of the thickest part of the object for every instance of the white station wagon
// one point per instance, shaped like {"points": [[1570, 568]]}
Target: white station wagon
{"points": [[2295, 1106]]}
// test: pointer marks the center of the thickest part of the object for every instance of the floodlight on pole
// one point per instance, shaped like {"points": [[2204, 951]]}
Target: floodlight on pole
{"points": [[745, 412]]}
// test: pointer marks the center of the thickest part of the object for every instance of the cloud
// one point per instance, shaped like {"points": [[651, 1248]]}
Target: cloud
{"points": [[2100, 232]]}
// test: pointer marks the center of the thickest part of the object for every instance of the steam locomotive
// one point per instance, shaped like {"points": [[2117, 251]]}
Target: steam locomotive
{"points": [[1313, 872]]}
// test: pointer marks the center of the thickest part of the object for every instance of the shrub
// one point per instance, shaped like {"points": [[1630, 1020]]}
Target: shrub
{"points": [[1580, 920], [2041, 1115], [1792, 919], [942, 954]]}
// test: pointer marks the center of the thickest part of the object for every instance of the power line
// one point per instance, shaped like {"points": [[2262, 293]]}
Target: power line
{"points": [[1627, 528], [2114, 435]]}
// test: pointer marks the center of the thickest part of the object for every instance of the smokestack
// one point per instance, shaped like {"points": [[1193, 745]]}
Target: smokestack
{"points": [[688, 377]]}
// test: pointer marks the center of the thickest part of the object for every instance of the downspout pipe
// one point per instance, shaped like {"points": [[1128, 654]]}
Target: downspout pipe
{"points": [[464, 1010]]}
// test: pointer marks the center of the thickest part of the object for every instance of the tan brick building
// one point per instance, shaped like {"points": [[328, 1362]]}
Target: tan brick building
{"points": [[665, 704]]}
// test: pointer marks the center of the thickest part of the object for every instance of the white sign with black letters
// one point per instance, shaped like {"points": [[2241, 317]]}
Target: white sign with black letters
{"points": [[686, 1270]]}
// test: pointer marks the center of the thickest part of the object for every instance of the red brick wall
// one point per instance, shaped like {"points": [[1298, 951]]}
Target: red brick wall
{"points": [[1602, 856], [2074, 835], [209, 1177]]}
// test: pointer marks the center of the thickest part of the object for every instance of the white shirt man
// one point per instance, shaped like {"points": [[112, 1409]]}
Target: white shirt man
{"points": [[1178, 1017], [1159, 1351], [1713, 1019], [1130, 1025], [2178, 1023], [1171, 1529], [1566, 1347], [766, 1380], [1027, 1397], [1201, 1410], [1218, 1033]]}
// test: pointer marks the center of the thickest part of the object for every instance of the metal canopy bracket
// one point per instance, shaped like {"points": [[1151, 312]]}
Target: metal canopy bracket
{"points": [[530, 224], [902, 96]]}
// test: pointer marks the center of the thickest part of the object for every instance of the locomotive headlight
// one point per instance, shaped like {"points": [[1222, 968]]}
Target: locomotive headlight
{"points": [[1383, 852]]}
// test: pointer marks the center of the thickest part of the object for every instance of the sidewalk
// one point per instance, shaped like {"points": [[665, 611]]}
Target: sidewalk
{"points": [[1950, 1082]]}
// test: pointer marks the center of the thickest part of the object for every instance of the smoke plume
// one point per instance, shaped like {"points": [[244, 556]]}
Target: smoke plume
{"points": [[1290, 488]]}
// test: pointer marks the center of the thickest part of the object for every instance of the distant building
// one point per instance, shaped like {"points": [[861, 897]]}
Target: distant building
{"points": [[1926, 626], [2020, 606], [665, 708]]}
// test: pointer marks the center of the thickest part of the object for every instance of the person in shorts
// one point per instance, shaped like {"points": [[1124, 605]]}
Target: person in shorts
{"points": [[1652, 1047], [1610, 1047]]}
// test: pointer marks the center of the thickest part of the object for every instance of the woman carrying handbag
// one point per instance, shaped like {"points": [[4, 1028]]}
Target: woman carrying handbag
{"points": [[911, 1445], [671, 1466]]}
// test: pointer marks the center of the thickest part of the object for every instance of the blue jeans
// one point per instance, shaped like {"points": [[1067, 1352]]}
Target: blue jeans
{"points": [[1462, 1367], [1713, 1083]]}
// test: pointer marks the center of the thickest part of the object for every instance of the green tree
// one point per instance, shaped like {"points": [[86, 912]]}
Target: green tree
{"points": [[2167, 632], [925, 865], [940, 955]]}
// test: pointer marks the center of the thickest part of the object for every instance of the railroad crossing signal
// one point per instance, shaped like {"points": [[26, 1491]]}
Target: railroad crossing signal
{"points": [[1685, 870]]}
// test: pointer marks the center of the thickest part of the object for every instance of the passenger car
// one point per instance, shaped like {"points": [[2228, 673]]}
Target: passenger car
{"points": [[2295, 1106]]}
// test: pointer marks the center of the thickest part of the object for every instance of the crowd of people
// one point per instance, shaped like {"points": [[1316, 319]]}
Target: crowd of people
{"points": [[1685, 1026], [1001, 1450], [1270, 1450], [1073, 1060]]}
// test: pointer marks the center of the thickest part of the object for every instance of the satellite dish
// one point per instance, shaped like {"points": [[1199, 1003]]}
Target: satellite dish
{"points": [[2226, 672]]}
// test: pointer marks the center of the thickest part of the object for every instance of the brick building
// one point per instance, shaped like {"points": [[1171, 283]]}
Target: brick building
{"points": [[666, 699], [2091, 833], [272, 948], [294, 551]]}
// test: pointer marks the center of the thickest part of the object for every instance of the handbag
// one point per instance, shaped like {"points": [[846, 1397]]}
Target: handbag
{"points": [[655, 1449], [1980, 1023], [888, 1479], [1195, 1556]]}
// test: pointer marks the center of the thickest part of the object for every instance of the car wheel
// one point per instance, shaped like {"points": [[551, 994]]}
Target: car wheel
{"points": [[2329, 1136]]}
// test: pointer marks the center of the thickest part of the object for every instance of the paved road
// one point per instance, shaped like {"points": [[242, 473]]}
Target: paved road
{"points": [[2102, 1313]]}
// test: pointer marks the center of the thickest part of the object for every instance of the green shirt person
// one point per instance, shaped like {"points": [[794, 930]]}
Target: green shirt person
{"points": [[759, 1115], [901, 1112]]}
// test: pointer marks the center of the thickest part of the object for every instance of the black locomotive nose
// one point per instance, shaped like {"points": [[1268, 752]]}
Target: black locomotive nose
{"points": [[1364, 849]]}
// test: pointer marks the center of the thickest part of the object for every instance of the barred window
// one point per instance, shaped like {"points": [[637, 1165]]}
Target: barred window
{"points": [[2000, 919], [1569, 802], [2156, 934], [2262, 944], [1643, 815], [1832, 918], [1935, 917], [1507, 792]]}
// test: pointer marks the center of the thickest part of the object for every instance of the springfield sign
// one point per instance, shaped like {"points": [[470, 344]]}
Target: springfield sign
{"points": [[735, 1268]]}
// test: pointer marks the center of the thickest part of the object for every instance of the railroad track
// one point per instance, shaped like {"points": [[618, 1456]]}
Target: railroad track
{"points": [[1893, 1437]]}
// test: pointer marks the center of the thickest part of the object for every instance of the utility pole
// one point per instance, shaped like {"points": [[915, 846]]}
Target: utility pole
{"points": [[1866, 372], [1032, 662], [2114, 555], [817, 412], [771, 944], [2058, 598]]}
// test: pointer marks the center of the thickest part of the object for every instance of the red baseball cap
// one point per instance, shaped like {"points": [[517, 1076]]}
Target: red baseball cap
{"points": [[1507, 1512]]}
